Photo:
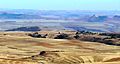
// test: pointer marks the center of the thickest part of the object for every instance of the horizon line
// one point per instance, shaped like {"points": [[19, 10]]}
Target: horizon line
{"points": [[54, 9]]}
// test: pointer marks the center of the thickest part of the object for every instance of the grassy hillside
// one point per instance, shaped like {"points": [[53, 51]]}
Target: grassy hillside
{"points": [[18, 48]]}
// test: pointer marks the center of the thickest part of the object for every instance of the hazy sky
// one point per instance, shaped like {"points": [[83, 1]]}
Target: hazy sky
{"points": [[61, 4]]}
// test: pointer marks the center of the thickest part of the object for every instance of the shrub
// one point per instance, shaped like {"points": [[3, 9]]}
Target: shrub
{"points": [[62, 36], [36, 35]]}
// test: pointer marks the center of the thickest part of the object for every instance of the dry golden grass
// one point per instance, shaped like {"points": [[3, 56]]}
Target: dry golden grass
{"points": [[17, 48]]}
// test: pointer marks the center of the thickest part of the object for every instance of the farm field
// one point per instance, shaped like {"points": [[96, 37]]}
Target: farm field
{"points": [[18, 48]]}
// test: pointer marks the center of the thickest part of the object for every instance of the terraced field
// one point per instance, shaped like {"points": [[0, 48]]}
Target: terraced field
{"points": [[17, 48]]}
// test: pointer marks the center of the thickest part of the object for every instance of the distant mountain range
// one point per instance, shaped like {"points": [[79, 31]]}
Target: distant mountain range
{"points": [[98, 21], [91, 16]]}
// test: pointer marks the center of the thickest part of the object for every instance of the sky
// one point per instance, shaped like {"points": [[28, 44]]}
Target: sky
{"points": [[61, 4]]}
